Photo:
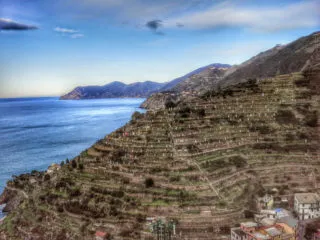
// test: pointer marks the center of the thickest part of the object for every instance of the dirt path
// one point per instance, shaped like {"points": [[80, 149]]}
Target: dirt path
{"points": [[204, 174]]}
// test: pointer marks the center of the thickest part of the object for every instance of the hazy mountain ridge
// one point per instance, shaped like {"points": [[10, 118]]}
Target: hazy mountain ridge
{"points": [[138, 89], [114, 90]]}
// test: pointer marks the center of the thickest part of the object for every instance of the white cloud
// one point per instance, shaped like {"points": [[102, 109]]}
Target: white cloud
{"points": [[69, 32], [77, 35], [201, 14], [137, 11], [297, 15], [64, 30]]}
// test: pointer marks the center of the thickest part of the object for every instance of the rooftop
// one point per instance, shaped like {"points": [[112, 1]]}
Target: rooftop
{"points": [[101, 234], [272, 231], [249, 224], [290, 221], [307, 198], [261, 236], [239, 232]]}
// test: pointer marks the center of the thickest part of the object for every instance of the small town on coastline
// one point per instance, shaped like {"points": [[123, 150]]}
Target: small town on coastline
{"points": [[287, 218], [300, 219]]}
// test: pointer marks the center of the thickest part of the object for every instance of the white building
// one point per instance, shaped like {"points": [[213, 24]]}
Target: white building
{"points": [[307, 205], [238, 234]]}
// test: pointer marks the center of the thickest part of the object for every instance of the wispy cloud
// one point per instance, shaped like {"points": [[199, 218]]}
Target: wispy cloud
{"points": [[72, 33], [133, 11], [64, 30], [292, 16], [203, 14], [77, 35], [8, 24]]}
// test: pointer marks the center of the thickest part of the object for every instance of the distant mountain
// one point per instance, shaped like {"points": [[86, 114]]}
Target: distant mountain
{"points": [[138, 89], [114, 90]]}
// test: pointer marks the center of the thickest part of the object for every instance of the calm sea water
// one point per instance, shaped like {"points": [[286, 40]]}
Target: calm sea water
{"points": [[36, 132]]}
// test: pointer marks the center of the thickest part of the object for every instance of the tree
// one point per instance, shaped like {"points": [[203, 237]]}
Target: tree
{"points": [[46, 177], [62, 163], [73, 164], [67, 161], [81, 166], [149, 182]]}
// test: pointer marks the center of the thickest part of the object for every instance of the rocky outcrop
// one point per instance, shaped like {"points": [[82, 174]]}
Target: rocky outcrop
{"points": [[11, 199]]}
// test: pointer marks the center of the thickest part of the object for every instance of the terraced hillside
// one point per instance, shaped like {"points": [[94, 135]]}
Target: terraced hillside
{"points": [[199, 162]]}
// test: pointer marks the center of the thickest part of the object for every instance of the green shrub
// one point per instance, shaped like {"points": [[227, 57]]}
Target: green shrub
{"points": [[201, 112], [311, 119], [137, 115], [238, 161], [81, 166], [192, 148], [170, 104], [174, 178], [285, 116], [46, 177]]}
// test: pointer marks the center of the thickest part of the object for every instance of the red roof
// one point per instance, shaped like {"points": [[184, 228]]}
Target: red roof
{"points": [[101, 234]]}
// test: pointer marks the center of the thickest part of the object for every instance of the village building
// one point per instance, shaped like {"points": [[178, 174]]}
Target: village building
{"points": [[238, 234], [271, 214], [265, 202], [307, 205], [254, 231], [53, 168]]}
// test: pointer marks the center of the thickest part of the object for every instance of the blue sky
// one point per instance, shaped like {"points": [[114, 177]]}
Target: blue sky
{"points": [[50, 47]]}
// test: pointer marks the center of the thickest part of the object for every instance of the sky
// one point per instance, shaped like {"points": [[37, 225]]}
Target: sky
{"points": [[48, 47]]}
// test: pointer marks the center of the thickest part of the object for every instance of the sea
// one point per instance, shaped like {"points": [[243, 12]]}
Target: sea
{"points": [[36, 132]]}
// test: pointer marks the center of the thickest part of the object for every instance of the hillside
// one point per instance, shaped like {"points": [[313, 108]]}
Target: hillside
{"points": [[178, 81], [281, 59], [114, 90], [199, 162]]}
